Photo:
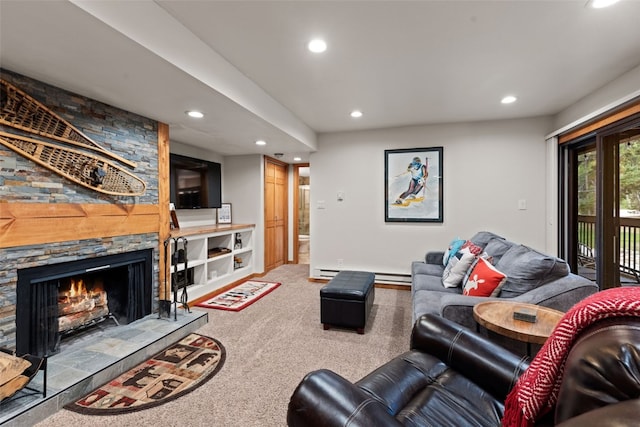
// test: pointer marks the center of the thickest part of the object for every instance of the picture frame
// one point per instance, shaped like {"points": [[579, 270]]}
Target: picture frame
{"points": [[224, 213], [413, 185]]}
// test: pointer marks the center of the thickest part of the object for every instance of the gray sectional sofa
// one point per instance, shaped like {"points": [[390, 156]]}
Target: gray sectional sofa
{"points": [[532, 277]]}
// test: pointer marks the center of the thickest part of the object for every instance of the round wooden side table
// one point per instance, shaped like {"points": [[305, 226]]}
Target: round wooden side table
{"points": [[497, 316]]}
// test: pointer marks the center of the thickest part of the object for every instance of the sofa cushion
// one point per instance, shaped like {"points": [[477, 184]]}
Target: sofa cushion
{"points": [[428, 282], [527, 269], [496, 248], [469, 246], [484, 280], [452, 249], [457, 268], [482, 238]]}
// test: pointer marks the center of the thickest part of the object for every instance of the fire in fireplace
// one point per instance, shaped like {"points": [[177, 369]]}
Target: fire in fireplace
{"points": [[57, 300], [80, 305]]}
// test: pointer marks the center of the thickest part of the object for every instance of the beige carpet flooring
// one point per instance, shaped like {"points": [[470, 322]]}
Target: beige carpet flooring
{"points": [[270, 346]]}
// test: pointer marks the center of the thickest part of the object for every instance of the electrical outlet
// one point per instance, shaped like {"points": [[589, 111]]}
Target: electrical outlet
{"points": [[340, 262]]}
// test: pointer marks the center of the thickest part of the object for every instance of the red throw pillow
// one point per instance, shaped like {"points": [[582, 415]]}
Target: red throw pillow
{"points": [[484, 281], [471, 247]]}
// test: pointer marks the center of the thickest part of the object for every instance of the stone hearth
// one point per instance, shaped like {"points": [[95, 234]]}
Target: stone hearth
{"points": [[87, 363]]}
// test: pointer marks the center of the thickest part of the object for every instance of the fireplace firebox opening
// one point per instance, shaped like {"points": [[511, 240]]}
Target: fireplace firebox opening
{"points": [[55, 301]]}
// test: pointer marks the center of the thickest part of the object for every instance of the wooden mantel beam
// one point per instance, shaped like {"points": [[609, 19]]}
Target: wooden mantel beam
{"points": [[23, 224]]}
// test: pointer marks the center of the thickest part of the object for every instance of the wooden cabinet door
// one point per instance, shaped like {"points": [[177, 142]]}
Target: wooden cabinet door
{"points": [[275, 214]]}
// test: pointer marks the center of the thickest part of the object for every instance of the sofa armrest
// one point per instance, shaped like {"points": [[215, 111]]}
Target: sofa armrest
{"points": [[324, 398], [616, 414], [434, 257], [488, 365], [455, 307]]}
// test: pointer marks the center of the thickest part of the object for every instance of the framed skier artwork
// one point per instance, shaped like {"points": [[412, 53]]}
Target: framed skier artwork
{"points": [[413, 185]]}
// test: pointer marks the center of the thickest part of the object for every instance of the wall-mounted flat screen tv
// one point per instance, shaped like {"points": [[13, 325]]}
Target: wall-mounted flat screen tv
{"points": [[195, 183]]}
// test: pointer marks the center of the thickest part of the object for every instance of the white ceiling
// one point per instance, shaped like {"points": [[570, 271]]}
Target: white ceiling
{"points": [[245, 64]]}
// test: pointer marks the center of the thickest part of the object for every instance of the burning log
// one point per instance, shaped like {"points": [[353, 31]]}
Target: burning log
{"points": [[77, 304], [77, 320]]}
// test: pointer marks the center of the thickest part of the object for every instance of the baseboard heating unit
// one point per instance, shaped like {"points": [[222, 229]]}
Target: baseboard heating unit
{"points": [[382, 278]]}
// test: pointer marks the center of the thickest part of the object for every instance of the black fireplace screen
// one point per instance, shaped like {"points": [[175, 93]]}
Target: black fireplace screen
{"points": [[127, 281], [43, 336]]}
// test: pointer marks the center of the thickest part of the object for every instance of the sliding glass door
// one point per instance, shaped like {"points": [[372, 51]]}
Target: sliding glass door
{"points": [[585, 244], [601, 205], [629, 204]]}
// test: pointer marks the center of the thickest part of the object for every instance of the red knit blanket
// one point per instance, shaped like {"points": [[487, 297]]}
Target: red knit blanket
{"points": [[536, 391]]}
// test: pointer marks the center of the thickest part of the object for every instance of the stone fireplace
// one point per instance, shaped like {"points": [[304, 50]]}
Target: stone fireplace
{"points": [[49, 223], [54, 301]]}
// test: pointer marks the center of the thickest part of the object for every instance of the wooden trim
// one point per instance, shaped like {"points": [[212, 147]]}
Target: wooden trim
{"points": [[205, 229], [23, 224], [296, 208], [276, 161], [592, 126], [19, 210], [220, 290], [163, 203], [406, 287]]}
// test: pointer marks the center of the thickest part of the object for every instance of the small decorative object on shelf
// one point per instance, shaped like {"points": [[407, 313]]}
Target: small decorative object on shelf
{"points": [[224, 214], [174, 216], [525, 314], [214, 252], [238, 243], [237, 262]]}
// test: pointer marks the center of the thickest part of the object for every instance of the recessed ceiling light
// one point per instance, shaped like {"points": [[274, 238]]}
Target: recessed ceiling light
{"points": [[195, 114], [261, 142], [297, 159], [509, 99], [599, 4], [356, 113], [317, 46]]}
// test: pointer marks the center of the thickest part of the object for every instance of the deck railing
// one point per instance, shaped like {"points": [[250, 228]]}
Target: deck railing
{"points": [[629, 243]]}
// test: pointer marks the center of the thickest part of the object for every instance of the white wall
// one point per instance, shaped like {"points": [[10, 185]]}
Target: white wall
{"points": [[607, 98], [242, 186], [624, 88], [199, 153], [487, 168]]}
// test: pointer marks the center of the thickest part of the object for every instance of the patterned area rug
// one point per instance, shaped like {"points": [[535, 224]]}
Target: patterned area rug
{"points": [[175, 371], [239, 297]]}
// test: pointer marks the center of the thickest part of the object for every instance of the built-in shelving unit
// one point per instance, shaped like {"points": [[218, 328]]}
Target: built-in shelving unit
{"points": [[216, 256]]}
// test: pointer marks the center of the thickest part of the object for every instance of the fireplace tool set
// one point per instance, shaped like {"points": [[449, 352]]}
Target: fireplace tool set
{"points": [[177, 280]]}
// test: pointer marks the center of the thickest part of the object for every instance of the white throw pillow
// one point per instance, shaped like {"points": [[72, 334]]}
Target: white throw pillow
{"points": [[456, 269]]}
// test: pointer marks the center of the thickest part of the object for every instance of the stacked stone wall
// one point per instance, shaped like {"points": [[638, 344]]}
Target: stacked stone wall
{"points": [[128, 135]]}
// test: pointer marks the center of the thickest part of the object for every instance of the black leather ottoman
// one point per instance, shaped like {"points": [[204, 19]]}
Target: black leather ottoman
{"points": [[347, 300]]}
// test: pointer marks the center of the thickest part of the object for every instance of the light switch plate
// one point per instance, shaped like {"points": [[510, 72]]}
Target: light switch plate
{"points": [[522, 204]]}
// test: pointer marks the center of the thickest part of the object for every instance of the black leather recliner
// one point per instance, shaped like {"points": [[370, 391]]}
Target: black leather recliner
{"points": [[454, 377]]}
